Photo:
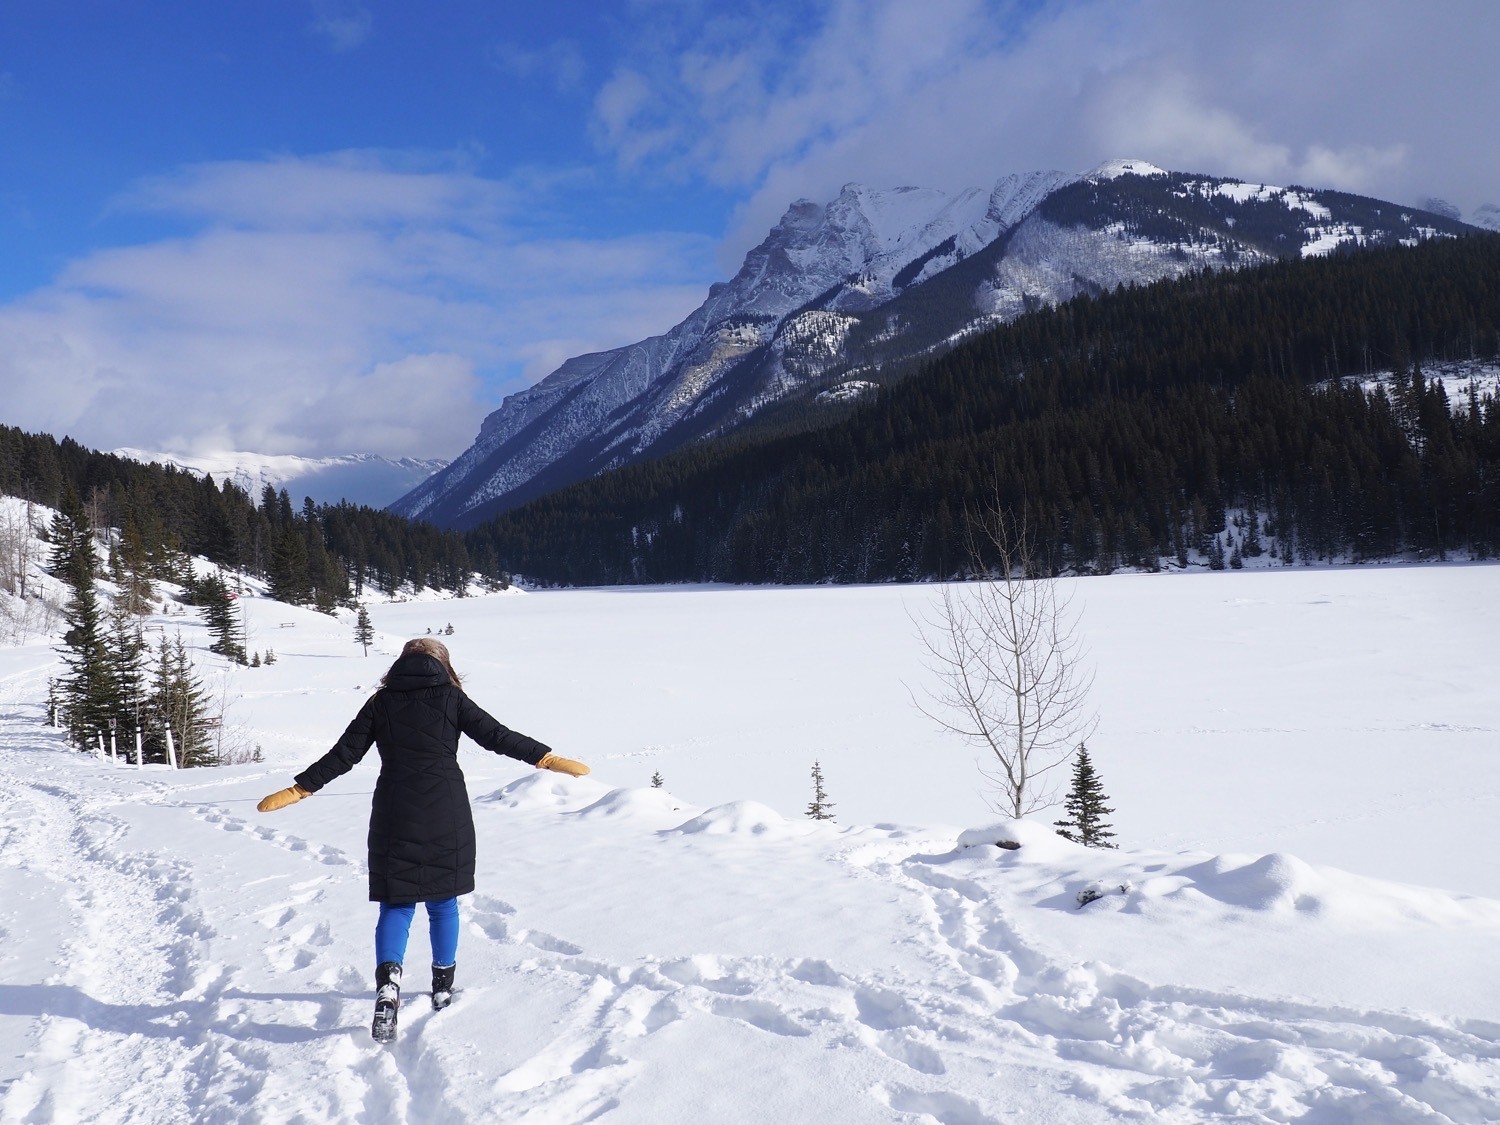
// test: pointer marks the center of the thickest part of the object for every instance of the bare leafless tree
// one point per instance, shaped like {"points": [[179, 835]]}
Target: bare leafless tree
{"points": [[30, 611], [1005, 650], [230, 737], [18, 545]]}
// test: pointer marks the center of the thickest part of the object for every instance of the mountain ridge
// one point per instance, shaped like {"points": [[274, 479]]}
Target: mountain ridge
{"points": [[360, 478], [841, 290]]}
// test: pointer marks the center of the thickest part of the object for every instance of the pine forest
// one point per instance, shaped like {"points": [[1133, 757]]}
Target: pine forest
{"points": [[1206, 419]]}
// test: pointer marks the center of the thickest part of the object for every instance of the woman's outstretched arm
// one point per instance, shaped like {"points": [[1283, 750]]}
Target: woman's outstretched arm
{"points": [[486, 730], [347, 751], [490, 733]]}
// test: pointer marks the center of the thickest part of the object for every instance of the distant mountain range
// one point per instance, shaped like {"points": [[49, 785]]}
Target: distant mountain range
{"points": [[839, 294], [360, 478]]}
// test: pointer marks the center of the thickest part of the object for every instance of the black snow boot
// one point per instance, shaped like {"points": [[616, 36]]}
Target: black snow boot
{"points": [[442, 986], [387, 1001]]}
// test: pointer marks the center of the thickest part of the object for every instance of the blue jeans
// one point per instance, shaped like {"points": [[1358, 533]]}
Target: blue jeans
{"points": [[394, 926]]}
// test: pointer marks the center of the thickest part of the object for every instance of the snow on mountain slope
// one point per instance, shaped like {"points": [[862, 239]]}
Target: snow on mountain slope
{"points": [[360, 478], [1114, 169], [1487, 217], [873, 277], [703, 953], [605, 409]]}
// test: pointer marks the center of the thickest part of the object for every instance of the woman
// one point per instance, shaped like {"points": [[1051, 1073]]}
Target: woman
{"points": [[421, 827]]}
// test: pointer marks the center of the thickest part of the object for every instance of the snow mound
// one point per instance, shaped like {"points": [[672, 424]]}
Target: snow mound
{"points": [[1176, 889], [1274, 882], [1284, 884], [738, 818], [1040, 841], [636, 804], [546, 789]]}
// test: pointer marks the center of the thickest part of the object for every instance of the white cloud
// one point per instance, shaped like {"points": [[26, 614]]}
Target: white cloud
{"points": [[327, 305], [350, 189], [382, 301], [1389, 97], [344, 24], [559, 65]]}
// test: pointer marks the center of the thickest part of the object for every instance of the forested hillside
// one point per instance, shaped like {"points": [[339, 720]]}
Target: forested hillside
{"points": [[1205, 418], [319, 555]]}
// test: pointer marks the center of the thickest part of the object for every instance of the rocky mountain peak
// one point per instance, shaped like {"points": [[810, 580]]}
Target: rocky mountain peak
{"points": [[844, 289]]}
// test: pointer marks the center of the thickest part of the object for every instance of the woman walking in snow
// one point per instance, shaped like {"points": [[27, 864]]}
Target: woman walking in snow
{"points": [[421, 827]]}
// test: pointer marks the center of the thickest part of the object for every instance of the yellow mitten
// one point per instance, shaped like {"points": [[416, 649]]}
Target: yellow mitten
{"points": [[282, 798], [562, 765]]}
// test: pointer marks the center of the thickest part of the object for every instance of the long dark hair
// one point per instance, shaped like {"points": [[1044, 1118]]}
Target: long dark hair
{"points": [[430, 646]]}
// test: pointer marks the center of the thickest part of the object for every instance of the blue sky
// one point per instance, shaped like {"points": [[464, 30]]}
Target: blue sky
{"points": [[96, 98], [323, 226]]}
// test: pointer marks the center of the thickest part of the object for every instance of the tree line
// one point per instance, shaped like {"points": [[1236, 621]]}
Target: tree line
{"points": [[1205, 419], [109, 693], [319, 554]]}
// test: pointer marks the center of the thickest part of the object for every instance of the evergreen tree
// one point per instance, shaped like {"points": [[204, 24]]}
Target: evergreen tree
{"points": [[135, 572], [178, 703], [270, 656], [657, 781], [1215, 554], [87, 689], [290, 581], [126, 653], [364, 632], [821, 808], [329, 584], [222, 616], [69, 529], [1252, 547], [1084, 807]]}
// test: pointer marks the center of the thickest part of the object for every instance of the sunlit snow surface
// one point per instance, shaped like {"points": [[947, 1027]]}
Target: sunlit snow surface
{"points": [[1296, 756]]}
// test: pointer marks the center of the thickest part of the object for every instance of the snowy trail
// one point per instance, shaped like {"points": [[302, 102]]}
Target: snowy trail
{"points": [[1181, 1054], [201, 963], [139, 1021]]}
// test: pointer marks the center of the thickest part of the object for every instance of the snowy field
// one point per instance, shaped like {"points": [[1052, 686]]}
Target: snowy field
{"points": [[1297, 758]]}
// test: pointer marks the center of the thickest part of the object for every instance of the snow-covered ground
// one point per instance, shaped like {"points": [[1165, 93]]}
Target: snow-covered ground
{"points": [[703, 953]]}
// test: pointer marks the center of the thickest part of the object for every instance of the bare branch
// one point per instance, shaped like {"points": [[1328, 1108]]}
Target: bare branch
{"points": [[1009, 663]]}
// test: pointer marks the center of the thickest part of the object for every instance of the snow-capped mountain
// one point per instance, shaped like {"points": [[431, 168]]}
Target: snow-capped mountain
{"points": [[360, 478], [1487, 217], [838, 290]]}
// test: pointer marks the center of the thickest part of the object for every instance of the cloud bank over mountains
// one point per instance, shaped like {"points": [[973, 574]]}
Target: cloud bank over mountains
{"points": [[328, 304], [1392, 99], [384, 300]]}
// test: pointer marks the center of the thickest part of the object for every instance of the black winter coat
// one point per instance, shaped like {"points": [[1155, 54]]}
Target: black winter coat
{"points": [[421, 826]]}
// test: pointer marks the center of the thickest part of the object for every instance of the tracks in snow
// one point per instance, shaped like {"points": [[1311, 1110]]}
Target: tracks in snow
{"points": [[149, 1015], [171, 1001], [1170, 1053]]}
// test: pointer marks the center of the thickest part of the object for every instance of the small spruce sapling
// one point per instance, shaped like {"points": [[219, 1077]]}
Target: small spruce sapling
{"points": [[364, 632], [657, 781], [1084, 807], [821, 808]]}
